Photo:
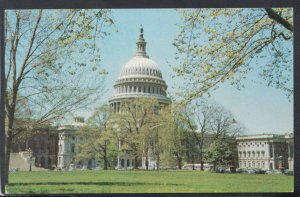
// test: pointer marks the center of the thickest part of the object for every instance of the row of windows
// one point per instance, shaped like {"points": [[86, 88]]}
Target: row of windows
{"points": [[142, 71], [119, 81], [252, 164], [252, 154], [145, 89], [251, 145]]}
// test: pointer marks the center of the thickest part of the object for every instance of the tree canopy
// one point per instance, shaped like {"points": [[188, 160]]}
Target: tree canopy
{"points": [[44, 63], [218, 45]]}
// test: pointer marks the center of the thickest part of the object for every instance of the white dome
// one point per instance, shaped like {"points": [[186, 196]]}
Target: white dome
{"points": [[139, 77], [140, 66]]}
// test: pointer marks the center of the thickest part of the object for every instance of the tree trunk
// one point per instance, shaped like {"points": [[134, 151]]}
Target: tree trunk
{"points": [[214, 166], [147, 161], [8, 142], [202, 163], [136, 162], [157, 161], [193, 160], [105, 159], [7, 158], [179, 160]]}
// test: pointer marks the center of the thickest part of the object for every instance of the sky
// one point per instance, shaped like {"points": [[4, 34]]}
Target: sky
{"points": [[260, 109]]}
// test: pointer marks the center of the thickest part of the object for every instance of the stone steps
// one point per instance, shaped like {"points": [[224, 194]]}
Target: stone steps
{"points": [[16, 163]]}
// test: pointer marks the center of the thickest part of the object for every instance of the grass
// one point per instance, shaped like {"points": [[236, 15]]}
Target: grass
{"points": [[144, 182]]}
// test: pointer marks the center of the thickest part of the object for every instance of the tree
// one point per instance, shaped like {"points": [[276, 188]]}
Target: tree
{"points": [[133, 123], [174, 138], [223, 124], [208, 121], [48, 53], [163, 137], [219, 153], [99, 141], [218, 45], [198, 115]]}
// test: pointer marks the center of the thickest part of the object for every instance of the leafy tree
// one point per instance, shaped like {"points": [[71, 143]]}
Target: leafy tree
{"points": [[162, 136], [206, 122], [99, 141], [133, 125], [219, 153], [218, 45], [175, 139], [47, 56]]}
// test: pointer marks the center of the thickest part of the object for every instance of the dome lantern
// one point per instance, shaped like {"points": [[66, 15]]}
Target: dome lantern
{"points": [[141, 44]]}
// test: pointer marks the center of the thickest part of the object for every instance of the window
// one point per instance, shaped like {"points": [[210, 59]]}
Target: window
{"points": [[262, 154], [73, 137], [253, 154], [249, 154], [72, 148], [128, 163], [271, 150]]}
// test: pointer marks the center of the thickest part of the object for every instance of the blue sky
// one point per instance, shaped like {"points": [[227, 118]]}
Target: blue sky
{"points": [[259, 108]]}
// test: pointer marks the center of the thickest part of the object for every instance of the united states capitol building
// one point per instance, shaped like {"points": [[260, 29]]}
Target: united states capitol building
{"points": [[141, 77]]}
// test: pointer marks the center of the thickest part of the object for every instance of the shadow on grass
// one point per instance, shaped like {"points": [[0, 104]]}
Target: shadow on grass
{"points": [[89, 183]]}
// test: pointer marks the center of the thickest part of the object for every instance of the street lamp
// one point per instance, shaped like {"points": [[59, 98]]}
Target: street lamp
{"points": [[30, 158]]}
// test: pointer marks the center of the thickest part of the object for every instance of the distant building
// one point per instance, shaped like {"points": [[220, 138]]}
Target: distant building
{"points": [[42, 141], [264, 150], [68, 140]]}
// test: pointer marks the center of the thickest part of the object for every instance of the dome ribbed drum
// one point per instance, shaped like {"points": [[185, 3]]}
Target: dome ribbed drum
{"points": [[139, 77]]}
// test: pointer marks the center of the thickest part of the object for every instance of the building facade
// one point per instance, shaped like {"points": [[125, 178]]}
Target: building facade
{"points": [[68, 142], [43, 143], [139, 77], [266, 151]]}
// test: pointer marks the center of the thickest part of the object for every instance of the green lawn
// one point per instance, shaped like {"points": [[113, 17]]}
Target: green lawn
{"points": [[144, 182]]}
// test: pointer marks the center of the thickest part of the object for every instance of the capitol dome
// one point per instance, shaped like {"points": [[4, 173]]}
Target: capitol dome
{"points": [[140, 66], [139, 77]]}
